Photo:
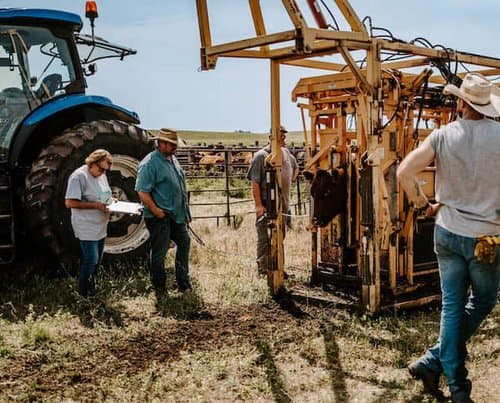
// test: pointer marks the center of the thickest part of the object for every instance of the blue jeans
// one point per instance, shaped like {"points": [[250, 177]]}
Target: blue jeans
{"points": [[462, 312], [91, 258], [160, 233]]}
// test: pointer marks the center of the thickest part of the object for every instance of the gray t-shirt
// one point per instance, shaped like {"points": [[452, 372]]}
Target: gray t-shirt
{"points": [[88, 224], [468, 176], [289, 171]]}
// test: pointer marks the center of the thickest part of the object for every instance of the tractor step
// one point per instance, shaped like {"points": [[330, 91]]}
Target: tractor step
{"points": [[7, 233]]}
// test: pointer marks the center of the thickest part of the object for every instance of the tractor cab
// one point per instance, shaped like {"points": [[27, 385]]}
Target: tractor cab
{"points": [[36, 65], [43, 57]]}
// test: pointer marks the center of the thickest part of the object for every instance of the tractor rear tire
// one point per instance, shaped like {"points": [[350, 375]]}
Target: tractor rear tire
{"points": [[47, 181]]}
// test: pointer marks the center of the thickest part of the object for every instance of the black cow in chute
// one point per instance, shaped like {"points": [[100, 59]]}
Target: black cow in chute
{"points": [[329, 192]]}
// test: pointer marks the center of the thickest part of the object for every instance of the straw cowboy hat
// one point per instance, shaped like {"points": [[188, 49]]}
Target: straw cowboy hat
{"points": [[479, 93], [168, 135]]}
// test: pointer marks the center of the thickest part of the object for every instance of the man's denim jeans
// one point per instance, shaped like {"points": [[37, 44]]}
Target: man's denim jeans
{"points": [[160, 233], [462, 313], [91, 258]]}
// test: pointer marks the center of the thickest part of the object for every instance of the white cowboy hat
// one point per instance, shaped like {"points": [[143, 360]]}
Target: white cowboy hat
{"points": [[479, 93]]}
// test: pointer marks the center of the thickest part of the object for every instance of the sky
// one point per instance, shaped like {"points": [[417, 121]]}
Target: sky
{"points": [[163, 82]]}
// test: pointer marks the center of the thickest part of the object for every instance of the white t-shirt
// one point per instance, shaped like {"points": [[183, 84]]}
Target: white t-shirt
{"points": [[468, 176], [88, 224]]}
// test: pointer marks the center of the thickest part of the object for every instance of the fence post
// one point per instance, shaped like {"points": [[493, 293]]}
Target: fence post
{"points": [[299, 198], [227, 155]]}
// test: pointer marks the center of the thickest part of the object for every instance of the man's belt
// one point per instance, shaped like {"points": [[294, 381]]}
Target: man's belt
{"points": [[486, 248]]}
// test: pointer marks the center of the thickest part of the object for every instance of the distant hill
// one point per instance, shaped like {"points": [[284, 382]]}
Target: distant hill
{"points": [[193, 137]]}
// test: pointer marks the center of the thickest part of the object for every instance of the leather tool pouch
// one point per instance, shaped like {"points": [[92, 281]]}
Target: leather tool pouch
{"points": [[486, 248]]}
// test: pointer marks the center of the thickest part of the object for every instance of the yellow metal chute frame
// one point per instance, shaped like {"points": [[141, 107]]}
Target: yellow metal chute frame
{"points": [[386, 100]]}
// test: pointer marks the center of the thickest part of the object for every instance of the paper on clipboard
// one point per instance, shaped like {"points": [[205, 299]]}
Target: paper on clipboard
{"points": [[125, 207]]}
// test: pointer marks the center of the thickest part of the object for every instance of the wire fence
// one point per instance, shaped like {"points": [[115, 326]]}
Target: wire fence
{"points": [[230, 165]]}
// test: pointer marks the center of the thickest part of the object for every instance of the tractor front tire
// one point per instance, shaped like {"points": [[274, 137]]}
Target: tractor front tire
{"points": [[46, 185]]}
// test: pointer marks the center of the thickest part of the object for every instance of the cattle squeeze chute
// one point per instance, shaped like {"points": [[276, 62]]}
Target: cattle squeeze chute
{"points": [[380, 99]]}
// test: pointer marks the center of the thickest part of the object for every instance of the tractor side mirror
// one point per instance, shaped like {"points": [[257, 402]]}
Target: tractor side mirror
{"points": [[91, 69], [4, 62]]}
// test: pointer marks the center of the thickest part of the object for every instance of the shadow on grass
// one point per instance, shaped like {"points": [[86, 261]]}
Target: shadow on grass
{"points": [[98, 310], [337, 374], [266, 359], [391, 389], [286, 301], [186, 305], [409, 334], [29, 291]]}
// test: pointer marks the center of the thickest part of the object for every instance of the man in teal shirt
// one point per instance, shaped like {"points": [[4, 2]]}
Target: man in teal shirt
{"points": [[161, 187]]}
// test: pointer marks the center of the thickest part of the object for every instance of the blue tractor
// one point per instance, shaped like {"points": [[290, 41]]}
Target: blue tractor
{"points": [[48, 125]]}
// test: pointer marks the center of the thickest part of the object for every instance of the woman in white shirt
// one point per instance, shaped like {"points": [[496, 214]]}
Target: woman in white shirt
{"points": [[87, 196]]}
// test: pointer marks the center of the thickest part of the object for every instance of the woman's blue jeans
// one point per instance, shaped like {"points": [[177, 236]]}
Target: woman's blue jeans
{"points": [[160, 234], [91, 258], [462, 311]]}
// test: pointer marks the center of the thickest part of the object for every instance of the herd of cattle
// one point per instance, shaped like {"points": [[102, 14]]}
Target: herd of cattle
{"points": [[209, 159], [214, 159]]}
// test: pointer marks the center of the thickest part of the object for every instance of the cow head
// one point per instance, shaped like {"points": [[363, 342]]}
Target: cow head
{"points": [[329, 194]]}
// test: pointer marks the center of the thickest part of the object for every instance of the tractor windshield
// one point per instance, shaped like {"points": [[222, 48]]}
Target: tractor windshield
{"points": [[35, 66]]}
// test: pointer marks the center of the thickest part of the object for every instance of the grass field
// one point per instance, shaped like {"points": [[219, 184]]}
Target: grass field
{"points": [[226, 341], [234, 138]]}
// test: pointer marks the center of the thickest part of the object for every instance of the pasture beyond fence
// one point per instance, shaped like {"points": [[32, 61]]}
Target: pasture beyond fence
{"points": [[225, 169]]}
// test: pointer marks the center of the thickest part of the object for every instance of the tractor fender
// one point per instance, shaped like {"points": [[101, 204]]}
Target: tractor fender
{"points": [[52, 118]]}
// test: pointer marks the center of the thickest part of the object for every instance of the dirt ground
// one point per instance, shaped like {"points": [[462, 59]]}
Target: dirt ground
{"points": [[288, 351], [226, 341]]}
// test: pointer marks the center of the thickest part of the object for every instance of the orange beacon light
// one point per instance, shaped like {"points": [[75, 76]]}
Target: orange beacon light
{"points": [[91, 10]]}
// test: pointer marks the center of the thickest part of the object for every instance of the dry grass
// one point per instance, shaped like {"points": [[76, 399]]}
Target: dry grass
{"points": [[225, 341], [235, 138]]}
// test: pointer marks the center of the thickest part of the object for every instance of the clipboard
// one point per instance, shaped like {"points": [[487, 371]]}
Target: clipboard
{"points": [[122, 207]]}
